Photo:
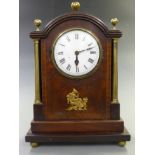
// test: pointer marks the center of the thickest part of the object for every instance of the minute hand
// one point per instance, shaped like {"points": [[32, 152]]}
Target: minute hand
{"points": [[86, 49]]}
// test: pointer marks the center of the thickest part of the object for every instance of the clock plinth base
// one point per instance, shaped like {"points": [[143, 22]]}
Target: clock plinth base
{"points": [[72, 138]]}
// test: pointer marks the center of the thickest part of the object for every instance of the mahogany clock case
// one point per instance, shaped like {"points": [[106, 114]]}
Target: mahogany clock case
{"points": [[55, 87], [51, 117]]}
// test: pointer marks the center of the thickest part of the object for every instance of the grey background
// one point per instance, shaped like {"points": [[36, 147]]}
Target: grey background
{"points": [[105, 10]]}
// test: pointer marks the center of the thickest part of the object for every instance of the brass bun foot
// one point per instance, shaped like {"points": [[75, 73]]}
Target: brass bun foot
{"points": [[34, 145], [122, 143]]}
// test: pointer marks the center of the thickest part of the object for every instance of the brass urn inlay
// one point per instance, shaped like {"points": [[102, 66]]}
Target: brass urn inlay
{"points": [[75, 102]]}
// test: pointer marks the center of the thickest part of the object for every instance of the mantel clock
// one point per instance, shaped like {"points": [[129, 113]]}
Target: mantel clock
{"points": [[76, 81]]}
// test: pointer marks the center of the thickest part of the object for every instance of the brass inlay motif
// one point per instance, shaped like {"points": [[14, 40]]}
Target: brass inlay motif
{"points": [[75, 102]]}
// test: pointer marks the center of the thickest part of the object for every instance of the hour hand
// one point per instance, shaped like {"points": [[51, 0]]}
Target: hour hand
{"points": [[76, 60]]}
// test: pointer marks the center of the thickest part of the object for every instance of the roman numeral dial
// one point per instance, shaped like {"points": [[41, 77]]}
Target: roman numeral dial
{"points": [[62, 61], [76, 52], [90, 60], [68, 67]]}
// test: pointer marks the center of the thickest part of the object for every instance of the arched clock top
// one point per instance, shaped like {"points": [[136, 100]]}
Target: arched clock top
{"points": [[80, 16]]}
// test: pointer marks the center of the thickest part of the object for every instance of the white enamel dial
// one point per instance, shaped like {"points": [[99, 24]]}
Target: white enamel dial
{"points": [[76, 52]]}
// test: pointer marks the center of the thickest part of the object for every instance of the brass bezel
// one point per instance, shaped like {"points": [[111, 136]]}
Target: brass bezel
{"points": [[80, 76]]}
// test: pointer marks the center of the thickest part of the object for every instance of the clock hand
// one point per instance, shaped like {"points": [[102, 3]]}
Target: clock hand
{"points": [[76, 60], [78, 52], [85, 49], [89, 48]]}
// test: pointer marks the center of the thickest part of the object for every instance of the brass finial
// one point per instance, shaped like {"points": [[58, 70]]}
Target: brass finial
{"points": [[37, 23], [75, 6], [114, 22]]}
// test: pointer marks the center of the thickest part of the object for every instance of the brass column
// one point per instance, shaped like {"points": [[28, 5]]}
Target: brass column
{"points": [[114, 21], [115, 72], [37, 23]]}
